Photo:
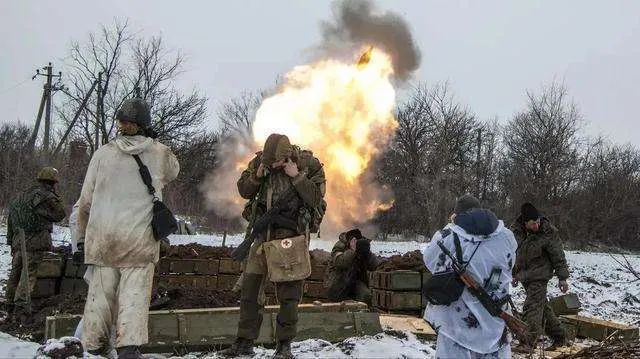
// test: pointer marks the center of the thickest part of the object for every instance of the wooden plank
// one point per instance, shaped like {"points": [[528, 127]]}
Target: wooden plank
{"points": [[598, 329], [229, 266], [417, 326]]}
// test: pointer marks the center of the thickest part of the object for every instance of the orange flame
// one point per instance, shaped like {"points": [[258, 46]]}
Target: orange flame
{"points": [[344, 113]]}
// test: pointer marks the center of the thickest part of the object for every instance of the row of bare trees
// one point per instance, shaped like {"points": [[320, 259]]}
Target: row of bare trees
{"points": [[589, 187]]}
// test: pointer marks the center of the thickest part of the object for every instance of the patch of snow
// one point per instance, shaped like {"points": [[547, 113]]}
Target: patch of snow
{"points": [[12, 347], [382, 345]]}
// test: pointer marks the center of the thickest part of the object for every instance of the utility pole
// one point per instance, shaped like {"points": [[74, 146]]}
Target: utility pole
{"points": [[45, 106], [98, 112]]}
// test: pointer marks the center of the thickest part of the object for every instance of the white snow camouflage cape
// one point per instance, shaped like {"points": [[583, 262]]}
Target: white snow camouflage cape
{"points": [[466, 321]]}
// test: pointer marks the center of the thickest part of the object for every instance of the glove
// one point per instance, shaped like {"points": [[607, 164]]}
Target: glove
{"points": [[78, 256], [363, 247], [354, 233]]}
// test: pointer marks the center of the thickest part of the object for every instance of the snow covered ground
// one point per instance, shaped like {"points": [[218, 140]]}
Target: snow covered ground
{"points": [[605, 290]]}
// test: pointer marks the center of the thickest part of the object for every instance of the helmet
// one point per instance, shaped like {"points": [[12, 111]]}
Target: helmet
{"points": [[48, 174], [135, 110], [276, 148]]}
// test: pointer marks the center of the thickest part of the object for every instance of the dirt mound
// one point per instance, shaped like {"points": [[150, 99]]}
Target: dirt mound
{"points": [[193, 298], [65, 347], [19, 323], [408, 261], [197, 251]]}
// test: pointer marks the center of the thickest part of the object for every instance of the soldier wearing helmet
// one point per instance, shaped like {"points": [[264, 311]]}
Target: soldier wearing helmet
{"points": [[292, 181], [33, 212]]}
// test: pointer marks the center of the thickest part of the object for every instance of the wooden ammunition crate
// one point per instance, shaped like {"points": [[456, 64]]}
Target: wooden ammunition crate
{"points": [[199, 328], [401, 280], [587, 327], [317, 272], [315, 290], [229, 266], [76, 286], [50, 268], [45, 287], [187, 281], [565, 304], [227, 281], [194, 266], [73, 270], [401, 301]]}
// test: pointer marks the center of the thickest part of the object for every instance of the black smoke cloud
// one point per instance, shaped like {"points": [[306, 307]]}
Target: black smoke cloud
{"points": [[357, 23]]}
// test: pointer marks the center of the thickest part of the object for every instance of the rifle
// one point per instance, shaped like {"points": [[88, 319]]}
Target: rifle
{"points": [[24, 275], [514, 324], [262, 225]]}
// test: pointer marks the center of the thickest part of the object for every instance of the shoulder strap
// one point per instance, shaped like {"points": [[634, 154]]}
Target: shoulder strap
{"points": [[146, 176], [456, 242]]}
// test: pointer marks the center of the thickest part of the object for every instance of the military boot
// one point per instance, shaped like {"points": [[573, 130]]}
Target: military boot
{"points": [[129, 352], [283, 350], [241, 347]]}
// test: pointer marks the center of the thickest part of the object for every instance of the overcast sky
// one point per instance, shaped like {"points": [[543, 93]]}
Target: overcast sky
{"points": [[491, 52]]}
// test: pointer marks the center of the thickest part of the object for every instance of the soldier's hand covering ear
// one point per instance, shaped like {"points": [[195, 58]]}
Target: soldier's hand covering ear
{"points": [[290, 168], [260, 172], [563, 286]]}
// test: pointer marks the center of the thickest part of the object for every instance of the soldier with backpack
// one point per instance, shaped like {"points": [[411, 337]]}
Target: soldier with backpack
{"points": [[285, 187]]}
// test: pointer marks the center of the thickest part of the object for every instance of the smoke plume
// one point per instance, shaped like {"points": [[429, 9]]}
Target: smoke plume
{"points": [[357, 23]]}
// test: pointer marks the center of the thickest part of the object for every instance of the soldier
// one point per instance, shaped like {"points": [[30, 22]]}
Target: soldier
{"points": [[351, 258], [487, 248], [540, 256], [34, 212], [279, 171], [115, 236]]}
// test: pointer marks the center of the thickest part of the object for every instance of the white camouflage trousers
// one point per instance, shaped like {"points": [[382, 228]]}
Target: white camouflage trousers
{"points": [[446, 348], [119, 295]]}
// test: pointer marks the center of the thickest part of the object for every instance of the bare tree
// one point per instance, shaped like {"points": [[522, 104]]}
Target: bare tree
{"points": [[130, 66], [543, 147]]}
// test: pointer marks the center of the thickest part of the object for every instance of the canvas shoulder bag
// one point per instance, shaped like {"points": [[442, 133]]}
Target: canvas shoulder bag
{"points": [[288, 259], [163, 222]]}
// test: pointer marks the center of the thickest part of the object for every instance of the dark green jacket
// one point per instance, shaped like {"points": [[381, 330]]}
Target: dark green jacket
{"points": [[309, 185], [35, 211], [539, 255], [343, 269]]}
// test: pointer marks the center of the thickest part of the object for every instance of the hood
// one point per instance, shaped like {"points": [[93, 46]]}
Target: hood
{"points": [[478, 222], [133, 145]]}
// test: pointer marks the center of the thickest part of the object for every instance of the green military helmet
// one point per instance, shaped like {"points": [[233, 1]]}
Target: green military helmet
{"points": [[135, 110], [48, 174], [276, 148]]}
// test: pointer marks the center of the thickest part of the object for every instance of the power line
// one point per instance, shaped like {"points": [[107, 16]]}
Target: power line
{"points": [[14, 86]]}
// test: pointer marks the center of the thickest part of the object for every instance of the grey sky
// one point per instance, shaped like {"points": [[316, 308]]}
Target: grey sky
{"points": [[489, 51]]}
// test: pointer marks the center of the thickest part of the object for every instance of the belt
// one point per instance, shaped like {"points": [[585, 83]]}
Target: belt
{"points": [[282, 233]]}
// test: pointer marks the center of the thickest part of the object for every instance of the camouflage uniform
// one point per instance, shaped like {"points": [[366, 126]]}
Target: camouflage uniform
{"points": [[539, 257], [34, 212], [310, 187], [347, 273]]}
